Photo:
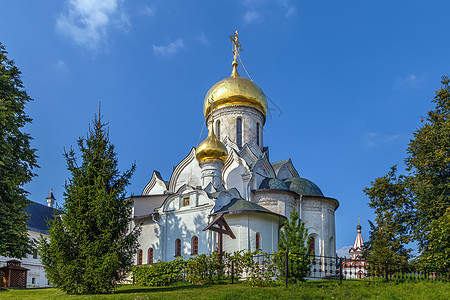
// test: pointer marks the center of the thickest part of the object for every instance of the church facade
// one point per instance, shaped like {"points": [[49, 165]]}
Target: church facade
{"points": [[226, 194]]}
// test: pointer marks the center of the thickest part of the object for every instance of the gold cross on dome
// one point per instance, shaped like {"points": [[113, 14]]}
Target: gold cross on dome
{"points": [[237, 46]]}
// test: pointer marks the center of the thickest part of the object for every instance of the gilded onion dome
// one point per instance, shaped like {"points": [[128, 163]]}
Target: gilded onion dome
{"points": [[234, 90], [211, 148]]}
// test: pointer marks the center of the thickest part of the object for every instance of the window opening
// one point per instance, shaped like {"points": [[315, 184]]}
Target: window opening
{"points": [[139, 262], [239, 132], [195, 245], [150, 256], [257, 241], [178, 247], [312, 245], [257, 134], [218, 129]]}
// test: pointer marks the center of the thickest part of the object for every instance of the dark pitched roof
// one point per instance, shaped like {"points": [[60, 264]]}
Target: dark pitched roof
{"points": [[278, 164], [237, 206], [39, 215]]}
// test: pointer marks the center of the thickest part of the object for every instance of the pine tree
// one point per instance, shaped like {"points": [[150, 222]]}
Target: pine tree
{"points": [[90, 244], [293, 238], [17, 160]]}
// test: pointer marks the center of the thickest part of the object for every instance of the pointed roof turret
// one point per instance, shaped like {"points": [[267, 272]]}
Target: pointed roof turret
{"points": [[357, 249], [50, 199]]}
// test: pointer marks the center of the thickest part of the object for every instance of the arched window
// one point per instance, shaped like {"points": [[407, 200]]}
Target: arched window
{"points": [[239, 132], [257, 134], [312, 245], [195, 245], [257, 241], [150, 256], [218, 129], [139, 261], [178, 247]]}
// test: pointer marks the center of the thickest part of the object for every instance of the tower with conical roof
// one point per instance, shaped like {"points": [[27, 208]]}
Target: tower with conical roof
{"points": [[50, 199], [356, 252]]}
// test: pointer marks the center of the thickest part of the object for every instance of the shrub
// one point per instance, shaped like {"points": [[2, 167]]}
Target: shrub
{"points": [[158, 274], [203, 268]]}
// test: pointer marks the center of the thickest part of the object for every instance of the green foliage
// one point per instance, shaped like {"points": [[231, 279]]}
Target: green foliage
{"points": [[204, 268], [158, 274], [429, 165], [389, 198], [17, 160], [407, 205], [293, 238], [259, 268], [90, 246], [437, 256]]}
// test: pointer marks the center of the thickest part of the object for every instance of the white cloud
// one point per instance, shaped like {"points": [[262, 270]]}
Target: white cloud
{"points": [[203, 39], [169, 49], [288, 6], [148, 10], [87, 21], [373, 139], [61, 66], [408, 82], [252, 16], [343, 252]]}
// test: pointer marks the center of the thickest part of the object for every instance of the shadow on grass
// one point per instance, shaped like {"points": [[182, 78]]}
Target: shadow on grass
{"points": [[143, 289]]}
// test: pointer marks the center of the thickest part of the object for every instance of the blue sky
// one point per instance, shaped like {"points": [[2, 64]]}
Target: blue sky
{"points": [[348, 82]]}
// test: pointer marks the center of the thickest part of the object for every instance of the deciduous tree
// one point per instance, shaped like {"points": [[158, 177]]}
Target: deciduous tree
{"points": [[406, 205]]}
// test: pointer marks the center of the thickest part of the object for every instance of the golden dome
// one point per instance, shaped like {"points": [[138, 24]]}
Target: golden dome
{"points": [[211, 148], [234, 91]]}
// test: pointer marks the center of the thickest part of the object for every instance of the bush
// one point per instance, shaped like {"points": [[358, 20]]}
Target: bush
{"points": [[299, 265], [259, 267], [158, 274], [203, 268]]}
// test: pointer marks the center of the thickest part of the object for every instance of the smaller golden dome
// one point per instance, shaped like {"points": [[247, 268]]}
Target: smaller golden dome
{"points": [[211, 148]]}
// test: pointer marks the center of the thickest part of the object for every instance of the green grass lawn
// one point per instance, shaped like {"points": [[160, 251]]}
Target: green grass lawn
{"points": [[307, 290]]}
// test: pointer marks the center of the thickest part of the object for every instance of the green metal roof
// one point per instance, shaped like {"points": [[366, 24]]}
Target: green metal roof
{"points": [[303, 186]]}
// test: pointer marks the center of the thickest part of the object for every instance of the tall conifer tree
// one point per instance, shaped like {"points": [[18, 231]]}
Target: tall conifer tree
{"points": [[293, 238], [91, 246], [17, 160]]}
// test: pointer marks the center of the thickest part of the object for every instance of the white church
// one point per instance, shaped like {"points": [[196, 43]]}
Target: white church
{"points": [[226, 195]]}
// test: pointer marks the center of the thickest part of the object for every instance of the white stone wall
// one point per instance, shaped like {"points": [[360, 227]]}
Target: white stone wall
{"points": [[318, 215], [211, 173], [245, 226], [150, 237], [35, 266], [250, 117], [279, 202]]}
